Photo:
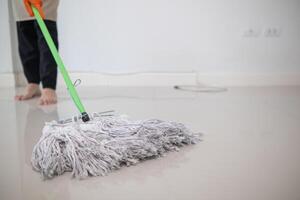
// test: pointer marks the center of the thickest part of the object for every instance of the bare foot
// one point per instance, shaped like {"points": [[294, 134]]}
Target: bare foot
{"points": [[32, 90], [48, 97]]}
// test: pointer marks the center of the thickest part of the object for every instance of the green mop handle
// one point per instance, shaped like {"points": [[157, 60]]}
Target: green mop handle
{"points": [[60, 64]]}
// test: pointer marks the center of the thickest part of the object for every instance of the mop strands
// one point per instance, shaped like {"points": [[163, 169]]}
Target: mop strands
{"points": [[105, 143], [95, 144]]}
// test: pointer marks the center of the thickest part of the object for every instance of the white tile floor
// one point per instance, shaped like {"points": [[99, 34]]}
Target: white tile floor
{"points": [[250, 148]]}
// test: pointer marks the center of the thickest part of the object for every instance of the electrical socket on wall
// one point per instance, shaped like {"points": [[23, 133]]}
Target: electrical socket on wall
{"points": [[272, 32], [269, 32]]}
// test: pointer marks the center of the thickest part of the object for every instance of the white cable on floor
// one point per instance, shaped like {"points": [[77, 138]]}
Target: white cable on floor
{"points": [[192, 88], [199, 88]]}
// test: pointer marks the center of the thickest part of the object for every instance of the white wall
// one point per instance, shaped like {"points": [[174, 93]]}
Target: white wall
{"points": [[5, 45], [174, 36], [180, 35]]}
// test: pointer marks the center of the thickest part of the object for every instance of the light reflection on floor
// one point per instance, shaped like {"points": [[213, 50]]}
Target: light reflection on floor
{"points": [[250, 148]]}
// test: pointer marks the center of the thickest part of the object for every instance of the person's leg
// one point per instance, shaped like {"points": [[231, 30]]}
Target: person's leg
{"points": [[29, 55], [48, 67]]}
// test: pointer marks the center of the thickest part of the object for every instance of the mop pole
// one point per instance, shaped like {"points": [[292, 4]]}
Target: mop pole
{"points": [[60, 65]]}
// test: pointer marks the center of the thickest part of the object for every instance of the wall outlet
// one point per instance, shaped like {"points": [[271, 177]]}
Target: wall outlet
{"points": [[272, 32]]}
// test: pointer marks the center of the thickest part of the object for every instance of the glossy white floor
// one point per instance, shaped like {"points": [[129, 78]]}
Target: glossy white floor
{"points": [[250, 148]]}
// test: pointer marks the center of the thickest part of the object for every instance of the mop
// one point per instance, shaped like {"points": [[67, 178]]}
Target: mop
{"points": [[94, 144]]}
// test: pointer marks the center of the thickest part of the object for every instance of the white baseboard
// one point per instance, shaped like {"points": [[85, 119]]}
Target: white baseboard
{"points": [[167, 79], [138, 79], [7, 80], [248, 79]]}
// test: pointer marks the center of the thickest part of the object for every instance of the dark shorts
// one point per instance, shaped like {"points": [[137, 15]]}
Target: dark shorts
{"points": [[38, 63]]}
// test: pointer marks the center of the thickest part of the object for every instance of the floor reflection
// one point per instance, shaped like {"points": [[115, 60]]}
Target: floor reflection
{"points": [[31, 120], [250, 147]]}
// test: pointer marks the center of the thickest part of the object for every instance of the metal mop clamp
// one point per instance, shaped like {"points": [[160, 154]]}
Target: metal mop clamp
{"points": [[84, 116]]}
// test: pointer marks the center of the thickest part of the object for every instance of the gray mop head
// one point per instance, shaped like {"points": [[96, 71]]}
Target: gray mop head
{"points": [[106, 143]]}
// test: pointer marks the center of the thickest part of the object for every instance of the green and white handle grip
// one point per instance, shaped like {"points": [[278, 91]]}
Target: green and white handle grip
{"points": [[60, 65]]}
